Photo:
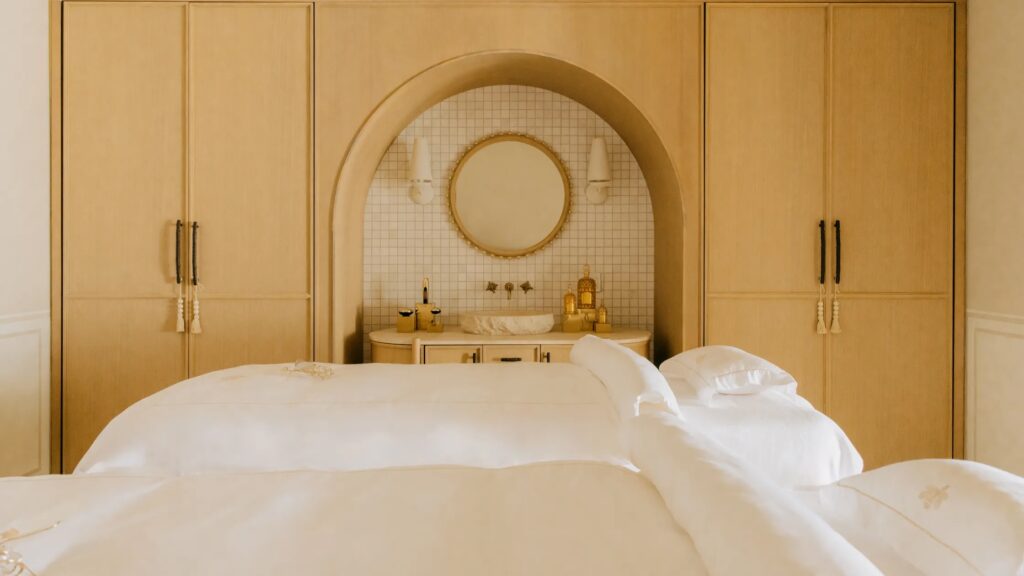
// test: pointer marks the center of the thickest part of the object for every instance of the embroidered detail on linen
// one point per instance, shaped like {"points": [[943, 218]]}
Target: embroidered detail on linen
{"points": [[321, 371], [932, 497]]}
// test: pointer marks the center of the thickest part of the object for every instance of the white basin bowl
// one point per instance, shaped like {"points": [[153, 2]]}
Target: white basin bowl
{"points": [[507, 322]]}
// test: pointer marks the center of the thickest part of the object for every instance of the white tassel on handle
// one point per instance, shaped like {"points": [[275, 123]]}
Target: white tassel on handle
{"points": [[821, 311], [836, 328], [197, 327], [180, 320]]}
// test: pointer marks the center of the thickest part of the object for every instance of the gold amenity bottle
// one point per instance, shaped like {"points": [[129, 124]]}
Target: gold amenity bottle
{"points": [[586, 288], [569, 302]]}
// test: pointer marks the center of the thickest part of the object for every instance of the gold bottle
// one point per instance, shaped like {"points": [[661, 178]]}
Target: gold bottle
{"points": [[569, 302], [587, 290], [602, 315]]}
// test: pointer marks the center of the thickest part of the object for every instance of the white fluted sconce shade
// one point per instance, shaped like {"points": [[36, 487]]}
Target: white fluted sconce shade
{"points": [[599, 173], [420, 177]]}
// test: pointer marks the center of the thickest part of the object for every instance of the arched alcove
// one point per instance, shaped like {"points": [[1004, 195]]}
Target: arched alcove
{"points": [[476, 70]]}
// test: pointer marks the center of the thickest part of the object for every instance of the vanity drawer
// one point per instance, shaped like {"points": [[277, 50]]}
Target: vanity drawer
{"points": [[451, 354], [512, 353], [555, 352]]}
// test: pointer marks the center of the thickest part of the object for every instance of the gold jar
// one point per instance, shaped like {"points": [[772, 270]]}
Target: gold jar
{"points": [[569, 302], [586, 289]]}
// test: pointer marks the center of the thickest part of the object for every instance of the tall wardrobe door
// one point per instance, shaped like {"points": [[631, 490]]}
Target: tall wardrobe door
{"points": [[892, 189], [766, 79], [250, 90], [124, 188]]}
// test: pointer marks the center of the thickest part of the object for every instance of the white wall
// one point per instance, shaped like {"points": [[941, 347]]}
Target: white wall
{"points": [[24, 237], [995, 233]]}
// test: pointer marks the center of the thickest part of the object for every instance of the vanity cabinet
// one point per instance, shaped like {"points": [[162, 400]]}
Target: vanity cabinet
{"points": [[457, 347]]}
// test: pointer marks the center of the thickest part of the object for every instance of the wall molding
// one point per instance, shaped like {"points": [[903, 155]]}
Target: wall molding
{"points": [[20, 332], [988, 334]]}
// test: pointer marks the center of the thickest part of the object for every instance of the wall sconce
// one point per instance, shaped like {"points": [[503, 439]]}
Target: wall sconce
{"points": [[599, 173], [421, 178]]}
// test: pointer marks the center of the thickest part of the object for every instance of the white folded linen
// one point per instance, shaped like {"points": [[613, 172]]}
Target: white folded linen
{"points": [[724, 370], [740, 522], [634, 384], [777, 433], [363, 416], [546, 519], [935, 517]]}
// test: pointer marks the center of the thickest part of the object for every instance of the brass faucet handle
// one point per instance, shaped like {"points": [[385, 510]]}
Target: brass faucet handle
{"points": [[492, 287], [526, 286]]}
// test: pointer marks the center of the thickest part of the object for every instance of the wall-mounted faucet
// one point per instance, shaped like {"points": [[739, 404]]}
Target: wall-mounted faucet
{"points": [[509, 288]]}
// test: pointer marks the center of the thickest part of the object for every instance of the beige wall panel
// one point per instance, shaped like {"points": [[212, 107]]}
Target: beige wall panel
{"points": [[116, 352], [237, 332], [891, 389], [781, 330], [892, 146], [365, 51], [995, 244], [765, 147], [124, 129]]}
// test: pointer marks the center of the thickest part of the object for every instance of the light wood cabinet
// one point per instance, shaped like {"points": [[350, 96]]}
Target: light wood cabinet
{"points": [[838, 113], [456, 346], [199, 113], [124, 188]]}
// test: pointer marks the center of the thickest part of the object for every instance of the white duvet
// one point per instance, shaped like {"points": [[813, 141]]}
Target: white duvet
{"points": [[272, 417], [778, 433], [543, 519]]}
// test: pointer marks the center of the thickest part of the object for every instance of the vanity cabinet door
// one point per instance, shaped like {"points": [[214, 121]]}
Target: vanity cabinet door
{"points": [[555, 352], [451, 354], [511, 354]]}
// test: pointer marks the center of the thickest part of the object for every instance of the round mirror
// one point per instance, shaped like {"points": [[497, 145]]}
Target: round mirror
{"points": [[509, 195]]}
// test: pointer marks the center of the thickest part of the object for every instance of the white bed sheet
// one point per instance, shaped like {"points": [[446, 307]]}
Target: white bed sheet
{"points": [[778, 433], [363, 417], [543, 519]]}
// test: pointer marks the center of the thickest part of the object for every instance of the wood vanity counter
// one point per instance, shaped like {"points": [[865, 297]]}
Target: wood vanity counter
{"points": [[456, 346]]}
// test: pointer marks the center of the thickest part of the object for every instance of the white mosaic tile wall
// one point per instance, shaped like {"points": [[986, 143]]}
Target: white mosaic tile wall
{"points": [[404, 241]]}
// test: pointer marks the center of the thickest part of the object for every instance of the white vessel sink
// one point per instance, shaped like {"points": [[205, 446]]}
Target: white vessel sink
{"points": [[507, 322]]}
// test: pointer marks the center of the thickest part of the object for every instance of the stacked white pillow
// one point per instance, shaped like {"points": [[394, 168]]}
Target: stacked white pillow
{"points": [[633, 383], [711, 370], [941, 517]]}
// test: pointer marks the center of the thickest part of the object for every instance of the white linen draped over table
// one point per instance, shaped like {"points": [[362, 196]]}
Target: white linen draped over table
{"points": [[362, 417]]}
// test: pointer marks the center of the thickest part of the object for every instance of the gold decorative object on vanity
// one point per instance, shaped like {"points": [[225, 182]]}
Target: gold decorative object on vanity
{"points": [[509, 195], [830, 155], [456, 346]]}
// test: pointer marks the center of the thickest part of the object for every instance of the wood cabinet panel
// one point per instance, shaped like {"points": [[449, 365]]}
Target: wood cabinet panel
{"points": [[391, 354], [892, 146], [124, 146], [555, 352], [251, 331], [116, 352], [451, 354], [123, 189], [512, 353], [766, 70], [781, 330], [891, 389], [250, 84]]}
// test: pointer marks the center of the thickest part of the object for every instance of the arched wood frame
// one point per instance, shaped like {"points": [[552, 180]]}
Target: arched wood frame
{"points": [[675, 328]]}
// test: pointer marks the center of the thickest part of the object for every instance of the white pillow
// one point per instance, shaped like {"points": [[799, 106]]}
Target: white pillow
{"points": [[724, 370], [939, 516], [633, 383]]}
